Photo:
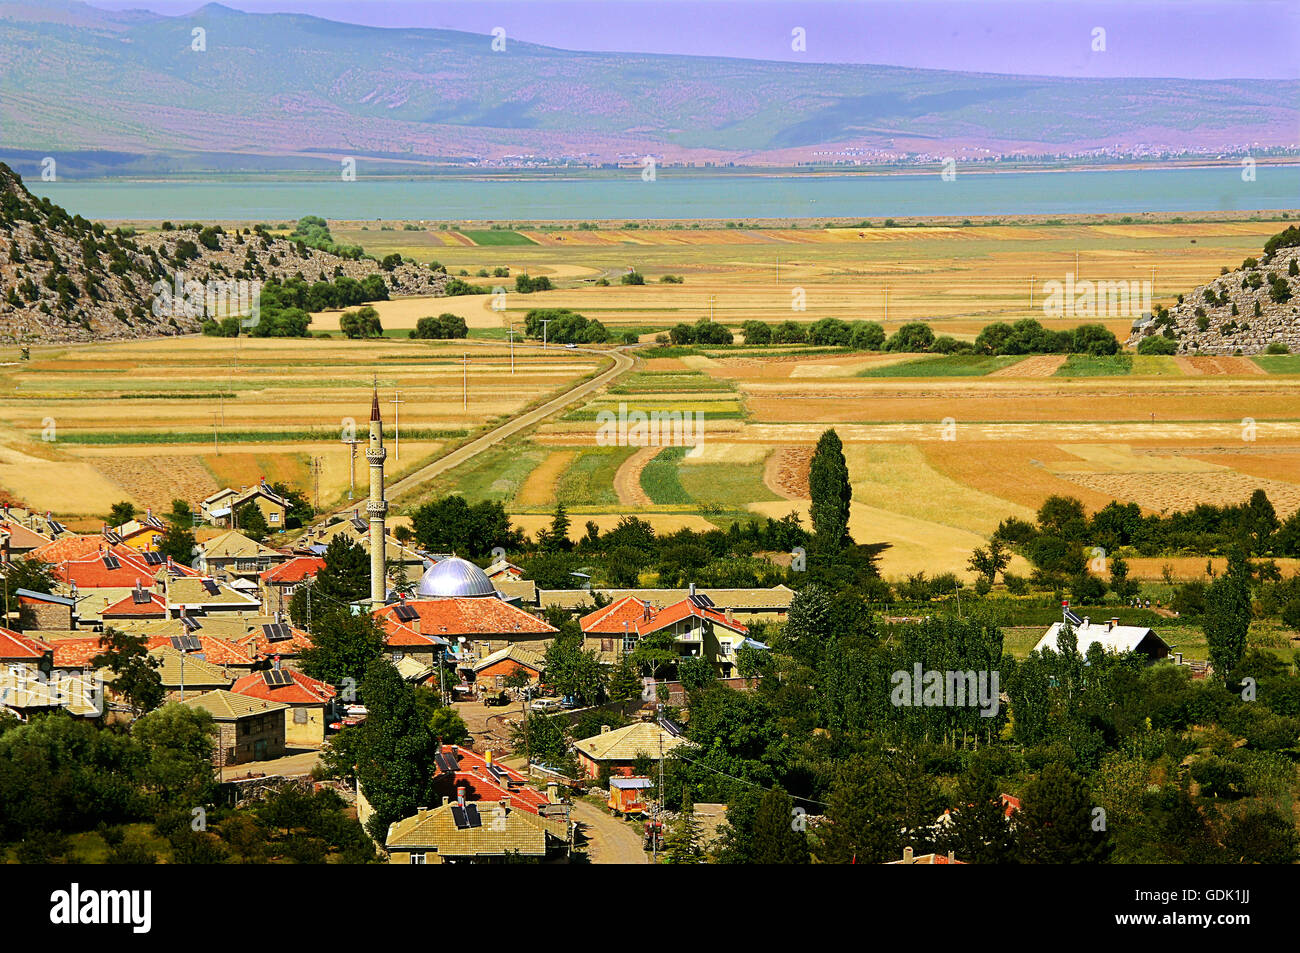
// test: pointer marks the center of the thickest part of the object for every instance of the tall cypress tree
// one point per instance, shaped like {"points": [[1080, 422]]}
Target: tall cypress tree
{"points": [[828, 485]]}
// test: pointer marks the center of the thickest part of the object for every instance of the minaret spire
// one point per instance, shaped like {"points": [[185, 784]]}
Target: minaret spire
{"points": [[377, 506]]}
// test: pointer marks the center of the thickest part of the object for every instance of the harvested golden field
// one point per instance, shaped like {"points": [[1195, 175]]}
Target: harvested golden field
{"points": [[1229, 366], [1182, 568], [539, 488], [1159, 493], [1014, 471], [1039, 365]]}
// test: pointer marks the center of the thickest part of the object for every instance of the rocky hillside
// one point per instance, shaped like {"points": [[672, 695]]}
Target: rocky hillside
{"points": [[63, 278], [1241, 312]]}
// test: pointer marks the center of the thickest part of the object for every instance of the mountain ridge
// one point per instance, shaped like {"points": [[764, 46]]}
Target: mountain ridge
{"points": [[283, 84]]}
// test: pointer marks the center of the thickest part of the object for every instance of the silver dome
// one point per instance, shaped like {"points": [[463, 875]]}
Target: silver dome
{"points": [[454, 577]]}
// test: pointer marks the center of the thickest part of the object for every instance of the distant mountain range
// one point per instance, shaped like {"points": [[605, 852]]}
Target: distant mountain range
{"points": [[126, 91]]}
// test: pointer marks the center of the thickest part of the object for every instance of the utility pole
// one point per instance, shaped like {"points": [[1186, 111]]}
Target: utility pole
{"points": [[352, 464], [886, 301], [1031, 292], [397, 424], [315, 473], [545, 322], [512, 347], [216, 445], [657, 829], [711, 297]]}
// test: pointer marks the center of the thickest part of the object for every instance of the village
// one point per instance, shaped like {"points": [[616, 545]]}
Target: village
{"points": [[219, 634]]}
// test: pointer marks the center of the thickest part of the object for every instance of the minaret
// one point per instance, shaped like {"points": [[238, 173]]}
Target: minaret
{"points": [[377, 506]]}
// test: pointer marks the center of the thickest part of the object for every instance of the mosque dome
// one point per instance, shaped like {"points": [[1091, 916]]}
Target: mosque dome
{"points": [[454, 577]]}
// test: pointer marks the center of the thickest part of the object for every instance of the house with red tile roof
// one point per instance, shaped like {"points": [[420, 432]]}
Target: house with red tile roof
{"points": [[698, 629], [484, 778], [139, 604], [214, 650], [276, 640], [75, 654], [419, 627], [309, 702], [281, 582], [18, 650]]}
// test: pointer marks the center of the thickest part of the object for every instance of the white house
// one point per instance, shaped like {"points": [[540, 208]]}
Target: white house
{"points": [[1111, 636]]}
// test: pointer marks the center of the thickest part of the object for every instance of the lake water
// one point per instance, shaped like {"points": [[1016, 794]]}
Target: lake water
{"points": [[682, 195]]}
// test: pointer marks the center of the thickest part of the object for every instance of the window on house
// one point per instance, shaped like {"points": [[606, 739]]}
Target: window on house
{"points": [[300, 716], [417, 858], [246, 728], [275, 518]]}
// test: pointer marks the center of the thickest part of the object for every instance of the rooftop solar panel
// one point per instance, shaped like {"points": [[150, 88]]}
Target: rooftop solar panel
{"points": [[406, 613], [277, 632], [276, 677], [140, 597], [186, 643], [211, 586], [190, 623], [111, 562], [153, 559]]}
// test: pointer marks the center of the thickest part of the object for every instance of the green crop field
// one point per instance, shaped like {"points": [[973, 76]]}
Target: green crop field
{"points": [[948, 365], [496, 236], [1094, 365], [1279, 363], [660, 478], [589, 479]]}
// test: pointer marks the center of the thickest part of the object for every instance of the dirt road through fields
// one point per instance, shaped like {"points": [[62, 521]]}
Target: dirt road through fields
{"points": [[622, 363]]}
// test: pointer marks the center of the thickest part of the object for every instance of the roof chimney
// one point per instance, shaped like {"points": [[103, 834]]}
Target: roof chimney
{"points": [[604, 729], [505, 804], [460, 796], [1113, 623], [445, 800], [692, 588], [907, 855]]}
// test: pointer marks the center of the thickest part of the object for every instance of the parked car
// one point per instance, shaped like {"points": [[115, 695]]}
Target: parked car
{"points": [[546, 704], [496, 698]]}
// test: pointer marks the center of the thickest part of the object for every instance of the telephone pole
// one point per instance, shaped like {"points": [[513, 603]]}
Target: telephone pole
{"points": [[216, 445], [315, 473], [352, 464], [545, 322], [397, 424], [512, 347]]}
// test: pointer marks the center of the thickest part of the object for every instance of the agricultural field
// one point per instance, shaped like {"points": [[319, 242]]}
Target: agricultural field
{"points": [[152, 421], [958, 277], [940, 448], [935, 462]]}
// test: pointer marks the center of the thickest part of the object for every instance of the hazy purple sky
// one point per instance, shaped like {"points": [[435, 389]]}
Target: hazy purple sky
{"points": [[1189, 38]]}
